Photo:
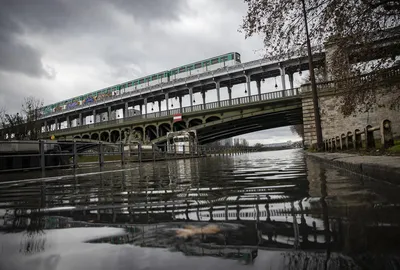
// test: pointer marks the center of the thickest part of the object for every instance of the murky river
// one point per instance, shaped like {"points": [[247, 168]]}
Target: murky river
{"points": [[268, 210]]}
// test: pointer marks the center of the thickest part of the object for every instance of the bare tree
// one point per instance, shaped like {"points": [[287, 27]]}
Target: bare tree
{"points": [[31, 109], [345, 23]]}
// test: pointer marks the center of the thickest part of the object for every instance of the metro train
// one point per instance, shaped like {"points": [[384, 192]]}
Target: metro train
{"points": [[228, 59]]}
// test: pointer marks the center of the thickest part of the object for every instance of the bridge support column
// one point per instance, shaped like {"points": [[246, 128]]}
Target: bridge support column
{"points": [[203, 94], [282, 70], [159, 105], [217, 86], [109, 113], [68, 122], [80, 121], [180, 103], [230, 94], [291, 80], [56, 124], [46, 127], [167, 101], [191, 96], [248, 84], [258, 82], [145, 106], [126, 110], [94, 116]]}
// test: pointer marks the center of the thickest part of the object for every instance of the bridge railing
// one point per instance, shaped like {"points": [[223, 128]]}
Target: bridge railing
{"points": [[361, 137], [47, 154], [194, 108]]}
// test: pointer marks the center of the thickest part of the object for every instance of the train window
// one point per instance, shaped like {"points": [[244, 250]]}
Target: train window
{"points": [[214, 61], [141, 81], [154, 78], [224, 58], [182, 69], [197, 65]]}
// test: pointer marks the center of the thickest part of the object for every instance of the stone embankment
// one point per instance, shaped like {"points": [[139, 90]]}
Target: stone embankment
{"points": [[384, 168]]}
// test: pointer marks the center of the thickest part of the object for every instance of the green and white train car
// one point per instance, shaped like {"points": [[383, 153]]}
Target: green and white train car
{"points": [[206, 65]]}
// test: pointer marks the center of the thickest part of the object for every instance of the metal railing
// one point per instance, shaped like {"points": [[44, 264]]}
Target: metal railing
{"points": [[47, 154], [194, 108], [357, 138]]}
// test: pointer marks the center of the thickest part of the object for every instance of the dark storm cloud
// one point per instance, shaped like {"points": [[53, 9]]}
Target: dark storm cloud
{"points": [[68, 19]]}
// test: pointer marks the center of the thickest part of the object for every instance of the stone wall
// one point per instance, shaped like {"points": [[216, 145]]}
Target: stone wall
{"points": [[334, 123]]}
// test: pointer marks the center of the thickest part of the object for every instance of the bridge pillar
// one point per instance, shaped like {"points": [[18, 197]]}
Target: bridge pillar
{"points": [[145, 106], [248, 84], [180, 103], [109, 113], [258, 82], [230, 94], [68, 122], [191, 96], [45, 126], [159, 105], [94, 116], [203, 94], [291, 80], [217, 86], [167, 101], [56, 124], [126, 110], [282, 70], [80, 121]]}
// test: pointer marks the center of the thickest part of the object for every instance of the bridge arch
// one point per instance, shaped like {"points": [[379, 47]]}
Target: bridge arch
{"points": [[95, 136], [151, 132], [105, 136], [178, 126], [86, 136], [194, 122], [123, 133], [164, 128], [212, 118], [137, 133], [77, 137], [115, 136]]}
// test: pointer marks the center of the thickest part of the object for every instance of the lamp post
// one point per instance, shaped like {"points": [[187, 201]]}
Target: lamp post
{"points": [[317, 118]]}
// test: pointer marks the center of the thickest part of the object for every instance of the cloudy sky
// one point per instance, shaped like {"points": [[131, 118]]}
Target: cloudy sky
{"points": [[57, 49]]}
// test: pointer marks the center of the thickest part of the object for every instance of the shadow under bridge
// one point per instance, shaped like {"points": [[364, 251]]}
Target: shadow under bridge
{"points": [[234, 123]]}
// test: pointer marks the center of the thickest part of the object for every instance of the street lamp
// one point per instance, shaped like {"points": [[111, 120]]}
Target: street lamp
{"points": [[317, 118]]}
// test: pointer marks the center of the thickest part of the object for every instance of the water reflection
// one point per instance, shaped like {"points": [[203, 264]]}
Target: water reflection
{"points": [[308, 215]]}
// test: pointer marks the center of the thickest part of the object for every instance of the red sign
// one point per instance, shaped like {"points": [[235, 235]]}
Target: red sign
{"points": [[177, 117]]}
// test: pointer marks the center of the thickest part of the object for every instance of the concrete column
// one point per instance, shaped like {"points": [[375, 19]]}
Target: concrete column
{"points": [[191, 96], [248, 84], [167, 101], [230, 94], [282, 70], [159, 105], [258, 82], [126, 110], [203, 94], [45, 126], [94, 116], [109, 112], [80, 121], [180, 103], [145, 105], [217, 86], [56, 124], [68, 122], [291, 80]]}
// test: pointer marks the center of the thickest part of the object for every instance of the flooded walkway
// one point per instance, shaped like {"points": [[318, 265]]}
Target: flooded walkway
{"points": [[268, 210]]}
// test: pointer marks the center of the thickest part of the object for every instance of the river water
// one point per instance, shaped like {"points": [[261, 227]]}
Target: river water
{"points": [[266, 210]]}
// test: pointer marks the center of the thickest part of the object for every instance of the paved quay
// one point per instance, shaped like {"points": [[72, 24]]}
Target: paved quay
{"points": [[386, 168]]}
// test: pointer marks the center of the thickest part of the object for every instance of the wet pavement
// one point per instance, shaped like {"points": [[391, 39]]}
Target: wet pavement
{"points": [[268, 210]]}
